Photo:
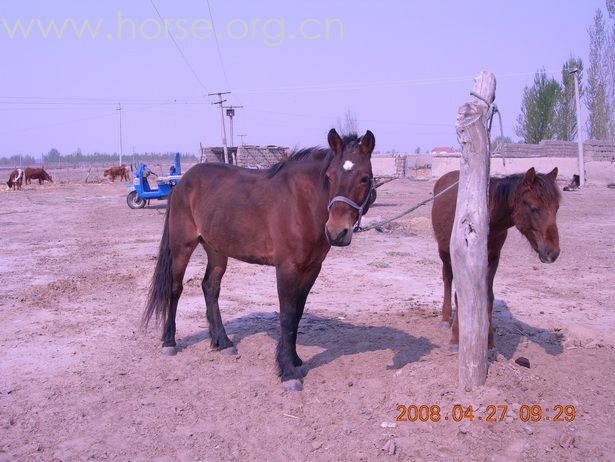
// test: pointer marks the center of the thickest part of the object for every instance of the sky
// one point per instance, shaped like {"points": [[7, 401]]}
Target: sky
{"points": [[402, 68]]}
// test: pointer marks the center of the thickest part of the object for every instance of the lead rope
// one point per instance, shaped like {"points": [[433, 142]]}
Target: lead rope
{"points": [[411, 209], [491, 112]]}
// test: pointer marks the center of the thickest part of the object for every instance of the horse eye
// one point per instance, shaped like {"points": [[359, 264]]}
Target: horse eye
{"points": [[365, 180], [535, 209]]}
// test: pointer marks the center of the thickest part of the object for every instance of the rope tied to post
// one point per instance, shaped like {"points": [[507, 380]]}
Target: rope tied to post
{"points": [[492, 110]]}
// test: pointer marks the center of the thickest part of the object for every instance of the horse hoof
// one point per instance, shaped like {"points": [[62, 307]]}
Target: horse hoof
{"points": [[293, 385], [453, 348], [169, 351], [229, 351], [444, 325]]}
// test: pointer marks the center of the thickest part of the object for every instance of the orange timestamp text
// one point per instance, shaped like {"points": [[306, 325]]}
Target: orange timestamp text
{"points": [[491, 413]]}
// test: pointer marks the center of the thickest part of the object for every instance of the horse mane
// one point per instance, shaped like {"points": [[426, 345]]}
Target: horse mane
{"points": [[506, 187], [312, 153]]}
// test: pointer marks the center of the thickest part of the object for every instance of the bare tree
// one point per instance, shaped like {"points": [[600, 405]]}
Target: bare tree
{"points": [[347, 124]]}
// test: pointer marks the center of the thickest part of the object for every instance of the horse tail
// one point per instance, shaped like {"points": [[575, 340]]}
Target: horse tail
{"points": [[159, 293]]}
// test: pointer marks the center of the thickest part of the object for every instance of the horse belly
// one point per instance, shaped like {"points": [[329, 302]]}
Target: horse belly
{"points": [[238, 233]]}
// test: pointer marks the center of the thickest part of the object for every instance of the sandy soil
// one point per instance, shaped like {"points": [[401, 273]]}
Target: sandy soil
{"points": [[80, 381]]}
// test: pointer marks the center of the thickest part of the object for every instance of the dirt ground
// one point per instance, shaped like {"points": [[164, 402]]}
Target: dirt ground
{"points": [[80, 381]]}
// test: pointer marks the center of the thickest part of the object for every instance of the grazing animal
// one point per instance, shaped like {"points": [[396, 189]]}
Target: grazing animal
{"points": [[38, 173], [114, 172], [528, 201], [288, 216], [15, 179]]}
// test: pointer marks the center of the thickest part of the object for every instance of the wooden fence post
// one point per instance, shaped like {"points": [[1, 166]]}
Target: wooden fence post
{"points": [[470, 231]]}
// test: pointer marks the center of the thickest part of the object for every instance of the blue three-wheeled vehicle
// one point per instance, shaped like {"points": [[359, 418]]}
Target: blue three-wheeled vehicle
{"points": [[140, 192]]}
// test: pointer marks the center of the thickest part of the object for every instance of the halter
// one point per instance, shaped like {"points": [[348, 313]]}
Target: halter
{"points": [[353, 204]]}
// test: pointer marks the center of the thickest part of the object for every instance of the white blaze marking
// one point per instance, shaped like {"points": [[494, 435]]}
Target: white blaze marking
{"points": [[347, 165]]}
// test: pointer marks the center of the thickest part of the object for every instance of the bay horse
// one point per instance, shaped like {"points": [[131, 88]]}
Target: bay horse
{"points": [[38, 173], [528, 201], [15, 179], [288, 216], [114, 172]]}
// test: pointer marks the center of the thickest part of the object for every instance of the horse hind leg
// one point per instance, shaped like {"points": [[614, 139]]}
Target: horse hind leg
{"points": [[216, 267], [447, 279], [180, 258]]}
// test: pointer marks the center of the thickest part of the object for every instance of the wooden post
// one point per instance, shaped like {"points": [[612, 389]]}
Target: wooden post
{"points": [[470, 231]]}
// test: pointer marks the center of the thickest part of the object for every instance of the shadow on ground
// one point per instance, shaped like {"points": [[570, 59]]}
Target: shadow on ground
{"points": [[509, 332], [336, 337]]}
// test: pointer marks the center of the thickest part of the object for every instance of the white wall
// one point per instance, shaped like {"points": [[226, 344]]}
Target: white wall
{"points": [[383, 166], [566, 166]]}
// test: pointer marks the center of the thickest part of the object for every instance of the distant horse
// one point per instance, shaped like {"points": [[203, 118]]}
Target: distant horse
{"points": [[528, 201], [15, 179], [38, 173], [288, 216], [114, 172]]}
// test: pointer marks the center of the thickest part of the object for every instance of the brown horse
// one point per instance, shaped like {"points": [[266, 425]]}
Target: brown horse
{"points": [[15, 179], [528, 201], [288, 216], [38, 173], [114, 172]]}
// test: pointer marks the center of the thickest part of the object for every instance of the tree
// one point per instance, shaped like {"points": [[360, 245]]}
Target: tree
{"points": [[501, 140], [538, 108], [347, 124], [566, 114], [610, 5], [52, 156], [598, 123]]}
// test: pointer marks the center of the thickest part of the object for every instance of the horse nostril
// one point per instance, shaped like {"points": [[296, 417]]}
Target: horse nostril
{"points": [[341, 235]]}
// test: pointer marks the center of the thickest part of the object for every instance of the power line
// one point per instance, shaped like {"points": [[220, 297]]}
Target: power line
{"points": [[213, 27], [179, 49]]}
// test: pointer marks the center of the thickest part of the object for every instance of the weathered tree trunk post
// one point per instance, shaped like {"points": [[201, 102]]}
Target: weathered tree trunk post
{"points": [[470, 231]]}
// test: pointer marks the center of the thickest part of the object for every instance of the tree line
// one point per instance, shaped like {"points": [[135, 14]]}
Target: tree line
{"points": [[548, 110], [55, 157]]}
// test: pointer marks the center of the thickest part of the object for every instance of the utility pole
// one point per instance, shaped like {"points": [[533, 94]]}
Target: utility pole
{"points": [[575, 73], [119, 109], [242, 137], [230, 112], [219, 102]]}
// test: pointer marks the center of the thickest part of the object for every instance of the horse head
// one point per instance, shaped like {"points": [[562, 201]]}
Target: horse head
{"points": [[351, 184], [535, 210]]}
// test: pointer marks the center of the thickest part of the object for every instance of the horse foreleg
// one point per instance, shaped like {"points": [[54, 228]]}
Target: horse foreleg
{"points": [[293, 289], [216, 267]]}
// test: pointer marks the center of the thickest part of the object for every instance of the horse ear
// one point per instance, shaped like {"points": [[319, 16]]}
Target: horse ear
{"points": [[553, 174], [335, 141], [529, 177], [368, 143]]}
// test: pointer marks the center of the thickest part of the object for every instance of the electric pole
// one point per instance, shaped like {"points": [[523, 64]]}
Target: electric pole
{"points": [[242, 137], [230, 112], [575, 73], [119, 109], [219, 102]]}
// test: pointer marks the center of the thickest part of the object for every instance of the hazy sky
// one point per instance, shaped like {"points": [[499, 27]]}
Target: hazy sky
{"points": [[402, 67]]}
